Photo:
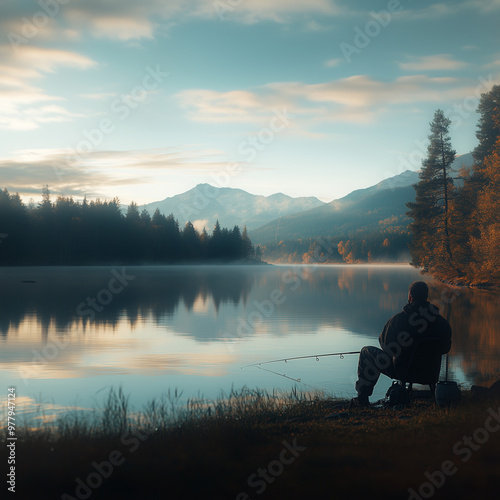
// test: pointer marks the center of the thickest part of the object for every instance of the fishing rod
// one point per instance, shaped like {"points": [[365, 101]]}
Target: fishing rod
{"points": [[317, 356]]}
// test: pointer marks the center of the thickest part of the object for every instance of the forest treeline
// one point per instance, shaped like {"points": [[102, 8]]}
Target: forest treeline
{"points": [[456, 222], [383, 246], [68, 232]]}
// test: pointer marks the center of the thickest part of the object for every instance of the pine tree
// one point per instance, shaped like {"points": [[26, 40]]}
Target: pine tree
{"points": [[45, 207], [488, 128], [145, 217], [133, 216], [247, 247], [431, 242]]}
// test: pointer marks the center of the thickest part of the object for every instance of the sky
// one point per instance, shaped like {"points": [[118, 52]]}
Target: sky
{"points": [[145, 100]]}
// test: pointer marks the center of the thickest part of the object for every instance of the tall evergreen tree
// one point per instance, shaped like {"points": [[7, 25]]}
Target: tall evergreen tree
{"points": [[133, 216], [145, 217], [248, 249], [431, 242], [488, 128]]}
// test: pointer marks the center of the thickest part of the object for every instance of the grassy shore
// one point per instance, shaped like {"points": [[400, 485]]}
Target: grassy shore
{"points": [[252, 444]]}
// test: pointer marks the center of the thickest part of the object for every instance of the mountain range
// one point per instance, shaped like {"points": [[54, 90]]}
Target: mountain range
{"points": [[205, 204], [281, 217]]}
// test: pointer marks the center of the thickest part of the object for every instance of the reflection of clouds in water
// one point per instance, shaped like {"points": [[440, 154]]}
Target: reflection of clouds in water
{"points": [[187, 320], [35, 412], [122, 351], [209, 365]]}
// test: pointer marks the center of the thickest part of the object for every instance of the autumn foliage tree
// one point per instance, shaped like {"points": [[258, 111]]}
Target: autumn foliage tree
{"points": [[485, 243], [456, 231], [478, 203]]}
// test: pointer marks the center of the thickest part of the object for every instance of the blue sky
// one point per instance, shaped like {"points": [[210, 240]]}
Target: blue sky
{"points": [[144, 100]]}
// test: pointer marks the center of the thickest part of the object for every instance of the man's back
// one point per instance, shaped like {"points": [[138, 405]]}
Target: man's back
{"points": [[419, 320]]}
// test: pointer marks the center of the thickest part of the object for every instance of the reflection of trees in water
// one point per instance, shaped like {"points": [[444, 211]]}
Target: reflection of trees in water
{"points": [[157, 291], [475, 320], [357, 299]]}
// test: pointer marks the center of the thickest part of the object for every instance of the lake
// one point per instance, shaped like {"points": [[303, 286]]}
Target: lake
{"points": [[69, 334]]}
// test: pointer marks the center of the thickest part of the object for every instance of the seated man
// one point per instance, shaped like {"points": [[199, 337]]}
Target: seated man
{"points": [[419, 319]]}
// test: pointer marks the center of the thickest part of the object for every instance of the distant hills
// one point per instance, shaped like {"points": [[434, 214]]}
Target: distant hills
{"points": [[205, 204], [281, 217], [378, 207]]}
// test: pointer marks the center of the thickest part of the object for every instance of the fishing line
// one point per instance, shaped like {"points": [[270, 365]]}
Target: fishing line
{"points": [[286, 376]]}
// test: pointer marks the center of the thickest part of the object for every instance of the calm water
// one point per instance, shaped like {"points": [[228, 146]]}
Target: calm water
{"points": [[69, 334]]}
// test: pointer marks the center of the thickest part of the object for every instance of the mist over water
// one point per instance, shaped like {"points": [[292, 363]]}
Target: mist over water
{"points": [[69, 334]]}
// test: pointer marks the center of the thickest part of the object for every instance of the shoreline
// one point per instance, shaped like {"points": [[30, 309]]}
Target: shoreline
{"points": [[217, 451]]}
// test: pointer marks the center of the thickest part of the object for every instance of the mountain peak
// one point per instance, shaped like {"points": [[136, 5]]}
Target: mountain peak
{"points": [[204, 204]]}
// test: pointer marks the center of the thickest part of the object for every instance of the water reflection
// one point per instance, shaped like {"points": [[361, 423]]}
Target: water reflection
{"points": [[475, 320], [206, 321], [58, 298]]}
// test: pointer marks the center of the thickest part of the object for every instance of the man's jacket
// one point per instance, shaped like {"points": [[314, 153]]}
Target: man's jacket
{"points": [[417, 320]]}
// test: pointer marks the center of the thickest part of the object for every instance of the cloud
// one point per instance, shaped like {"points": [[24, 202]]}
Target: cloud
{"points": [[432, 12], [26, 171], [439, 10], [129, 23], [98, 97], [129, 20], [24, 106], [437, 62], [48, 60], [494, 63], [356, 99], [279, 11], [331, 63], [483, 7]]}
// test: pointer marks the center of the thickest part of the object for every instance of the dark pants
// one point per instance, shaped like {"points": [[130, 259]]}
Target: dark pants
{"points": [[372, 362]]}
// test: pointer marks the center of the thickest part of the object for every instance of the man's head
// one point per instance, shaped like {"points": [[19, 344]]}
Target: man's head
{"points": [[418, 292]]}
